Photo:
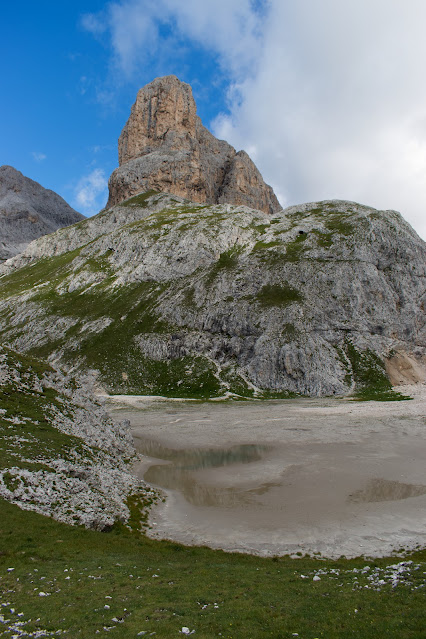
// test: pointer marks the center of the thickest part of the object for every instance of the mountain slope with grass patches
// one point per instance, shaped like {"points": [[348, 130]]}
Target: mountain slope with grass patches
{"points": [[160, 295]]}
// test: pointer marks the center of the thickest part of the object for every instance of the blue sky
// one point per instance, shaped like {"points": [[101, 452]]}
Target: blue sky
{"points": [[327, 97]]}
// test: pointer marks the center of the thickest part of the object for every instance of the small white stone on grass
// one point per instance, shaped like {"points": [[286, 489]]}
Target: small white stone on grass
{"points": [[316, 578]]}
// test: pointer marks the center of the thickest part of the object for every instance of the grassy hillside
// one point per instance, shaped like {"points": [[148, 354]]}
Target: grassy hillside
{"points": [[71, 582]]}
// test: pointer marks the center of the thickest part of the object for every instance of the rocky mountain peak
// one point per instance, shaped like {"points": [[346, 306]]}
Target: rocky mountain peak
{"points": [[164, 114], [165, 147], [28, 211]]}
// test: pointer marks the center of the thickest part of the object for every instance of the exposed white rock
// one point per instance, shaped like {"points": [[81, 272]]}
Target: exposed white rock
{"points": [[90, 486]]}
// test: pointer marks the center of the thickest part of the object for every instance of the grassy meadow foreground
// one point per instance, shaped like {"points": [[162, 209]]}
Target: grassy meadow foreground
{"points": [[59, 580], [62, 456]]}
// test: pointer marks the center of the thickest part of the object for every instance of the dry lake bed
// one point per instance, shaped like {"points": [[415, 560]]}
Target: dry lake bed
{"points": [[328, 476]]}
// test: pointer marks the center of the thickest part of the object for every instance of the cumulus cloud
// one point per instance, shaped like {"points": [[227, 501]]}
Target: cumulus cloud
{"points": [[140, 30], [337, 108], [91, 192], [328, 97]]}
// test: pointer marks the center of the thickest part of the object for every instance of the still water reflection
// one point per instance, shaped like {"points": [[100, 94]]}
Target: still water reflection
{"points": [[384, 490], [181, 471]]}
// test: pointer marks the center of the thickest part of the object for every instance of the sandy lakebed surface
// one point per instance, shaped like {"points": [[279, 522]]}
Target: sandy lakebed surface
{"points": [[330, 476]]}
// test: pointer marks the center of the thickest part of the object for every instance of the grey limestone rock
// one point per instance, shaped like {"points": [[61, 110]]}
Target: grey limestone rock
{"points": [[164, 296], [28, 211], [165, 147], [88, 485]]}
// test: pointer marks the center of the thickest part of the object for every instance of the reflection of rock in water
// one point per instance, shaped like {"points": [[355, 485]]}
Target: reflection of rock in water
{"points": [[178, 474], [169, 477], [197, 458], [386, 490]]}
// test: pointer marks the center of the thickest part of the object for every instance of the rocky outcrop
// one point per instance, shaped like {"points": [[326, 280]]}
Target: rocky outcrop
{"points": [[164, 296], [165, 147], [28, 211], [85, 476]]}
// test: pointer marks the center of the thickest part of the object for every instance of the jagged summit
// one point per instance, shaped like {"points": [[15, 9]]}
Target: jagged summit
{"points": [[165, 147], [28, 211]]}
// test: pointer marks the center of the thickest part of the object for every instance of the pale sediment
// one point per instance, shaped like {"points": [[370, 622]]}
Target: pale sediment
{"points": [[336, 477]]}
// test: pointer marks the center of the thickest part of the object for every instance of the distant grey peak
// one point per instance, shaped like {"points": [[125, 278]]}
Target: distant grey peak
{"points": [[28, 211]]}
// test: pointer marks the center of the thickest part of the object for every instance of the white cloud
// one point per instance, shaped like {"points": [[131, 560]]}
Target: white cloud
{"points": [[141, 30], [337, 107], [38, 157], [328, 96], [91, 192]]}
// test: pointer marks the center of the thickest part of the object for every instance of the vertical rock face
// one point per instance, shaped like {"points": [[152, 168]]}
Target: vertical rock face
{"points": [[165, 147], [164, 114]]}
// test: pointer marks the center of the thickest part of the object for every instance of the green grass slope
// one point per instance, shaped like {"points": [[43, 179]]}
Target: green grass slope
{"points": [[58, 580]]}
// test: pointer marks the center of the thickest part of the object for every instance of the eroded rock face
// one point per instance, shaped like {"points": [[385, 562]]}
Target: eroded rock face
{"points": [[28, 211], [165, 147]]}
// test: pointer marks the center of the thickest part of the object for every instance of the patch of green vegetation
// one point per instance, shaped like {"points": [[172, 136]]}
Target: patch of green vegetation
{"points": [[337, 224], [261, 246], [260, 228], [26, 432], [370, 377], [170, 216], [296, 248], [289, 330], [325, 240], [113, 351], [132, 585], [235, 383], [100, 264], [181, 377], [140, 200], [271, 394], [227, 261], [278, 295], [52, 270], [268, 255], [139, 506], [188, 297]]}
